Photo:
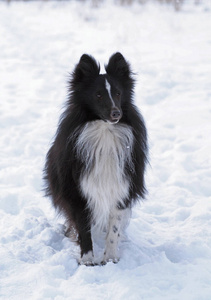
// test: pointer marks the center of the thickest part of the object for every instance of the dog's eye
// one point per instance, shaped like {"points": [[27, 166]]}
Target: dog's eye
{"points": [[118, 94], [99, 96]]}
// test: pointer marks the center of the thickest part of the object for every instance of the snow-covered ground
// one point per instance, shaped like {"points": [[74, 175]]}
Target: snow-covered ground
{"points": [[168, 252]]}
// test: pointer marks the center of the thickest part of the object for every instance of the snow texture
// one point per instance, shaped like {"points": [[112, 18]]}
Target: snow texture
{"points": [[168, 251]]}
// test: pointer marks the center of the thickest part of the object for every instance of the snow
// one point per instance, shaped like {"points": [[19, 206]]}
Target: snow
{"points": [[168, 251]]}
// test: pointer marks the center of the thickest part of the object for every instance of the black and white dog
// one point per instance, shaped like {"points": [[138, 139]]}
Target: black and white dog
{"points": [[94, 170]]}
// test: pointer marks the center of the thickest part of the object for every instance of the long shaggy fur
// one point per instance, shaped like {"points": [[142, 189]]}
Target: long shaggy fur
{"points": [[95, 167], [103, 182]]}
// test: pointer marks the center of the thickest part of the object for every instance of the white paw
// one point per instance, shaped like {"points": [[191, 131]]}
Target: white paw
{"points": [[110, 258], [87, 259]]}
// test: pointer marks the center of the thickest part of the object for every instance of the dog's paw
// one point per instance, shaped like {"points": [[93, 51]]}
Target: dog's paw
{"points": [[87, 259], [110, 258], [113, 260]]}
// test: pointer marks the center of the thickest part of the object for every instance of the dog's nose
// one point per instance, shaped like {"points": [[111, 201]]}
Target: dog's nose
{"points": [[115, 113]]}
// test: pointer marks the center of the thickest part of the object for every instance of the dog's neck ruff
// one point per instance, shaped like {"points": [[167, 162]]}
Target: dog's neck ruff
{"points": [[105, 150]]}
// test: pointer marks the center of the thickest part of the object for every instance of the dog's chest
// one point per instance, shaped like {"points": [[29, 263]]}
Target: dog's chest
{"points": [[105, 150]]}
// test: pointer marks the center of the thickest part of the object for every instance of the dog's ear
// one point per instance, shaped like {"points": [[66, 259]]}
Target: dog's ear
{"points": [[119, 68], [86, 70]]}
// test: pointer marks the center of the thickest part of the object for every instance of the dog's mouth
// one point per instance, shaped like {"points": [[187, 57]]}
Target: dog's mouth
{"points": [[113, 121]]}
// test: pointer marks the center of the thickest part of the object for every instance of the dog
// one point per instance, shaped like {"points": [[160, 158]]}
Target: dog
{"points": [[95, 168]]}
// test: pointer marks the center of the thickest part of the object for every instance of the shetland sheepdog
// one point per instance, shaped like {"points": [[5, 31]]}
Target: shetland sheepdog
{"points": [[94, 170]]}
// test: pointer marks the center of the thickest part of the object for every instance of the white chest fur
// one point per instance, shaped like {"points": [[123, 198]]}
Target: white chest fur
{"points": [[104, 149]]}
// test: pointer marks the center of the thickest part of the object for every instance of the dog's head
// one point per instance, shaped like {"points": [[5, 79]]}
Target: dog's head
{"points": [[103, 95]]}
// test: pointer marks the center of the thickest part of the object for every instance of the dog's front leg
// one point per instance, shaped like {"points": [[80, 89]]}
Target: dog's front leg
{"points": [[117, 222], [85, 239]]}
